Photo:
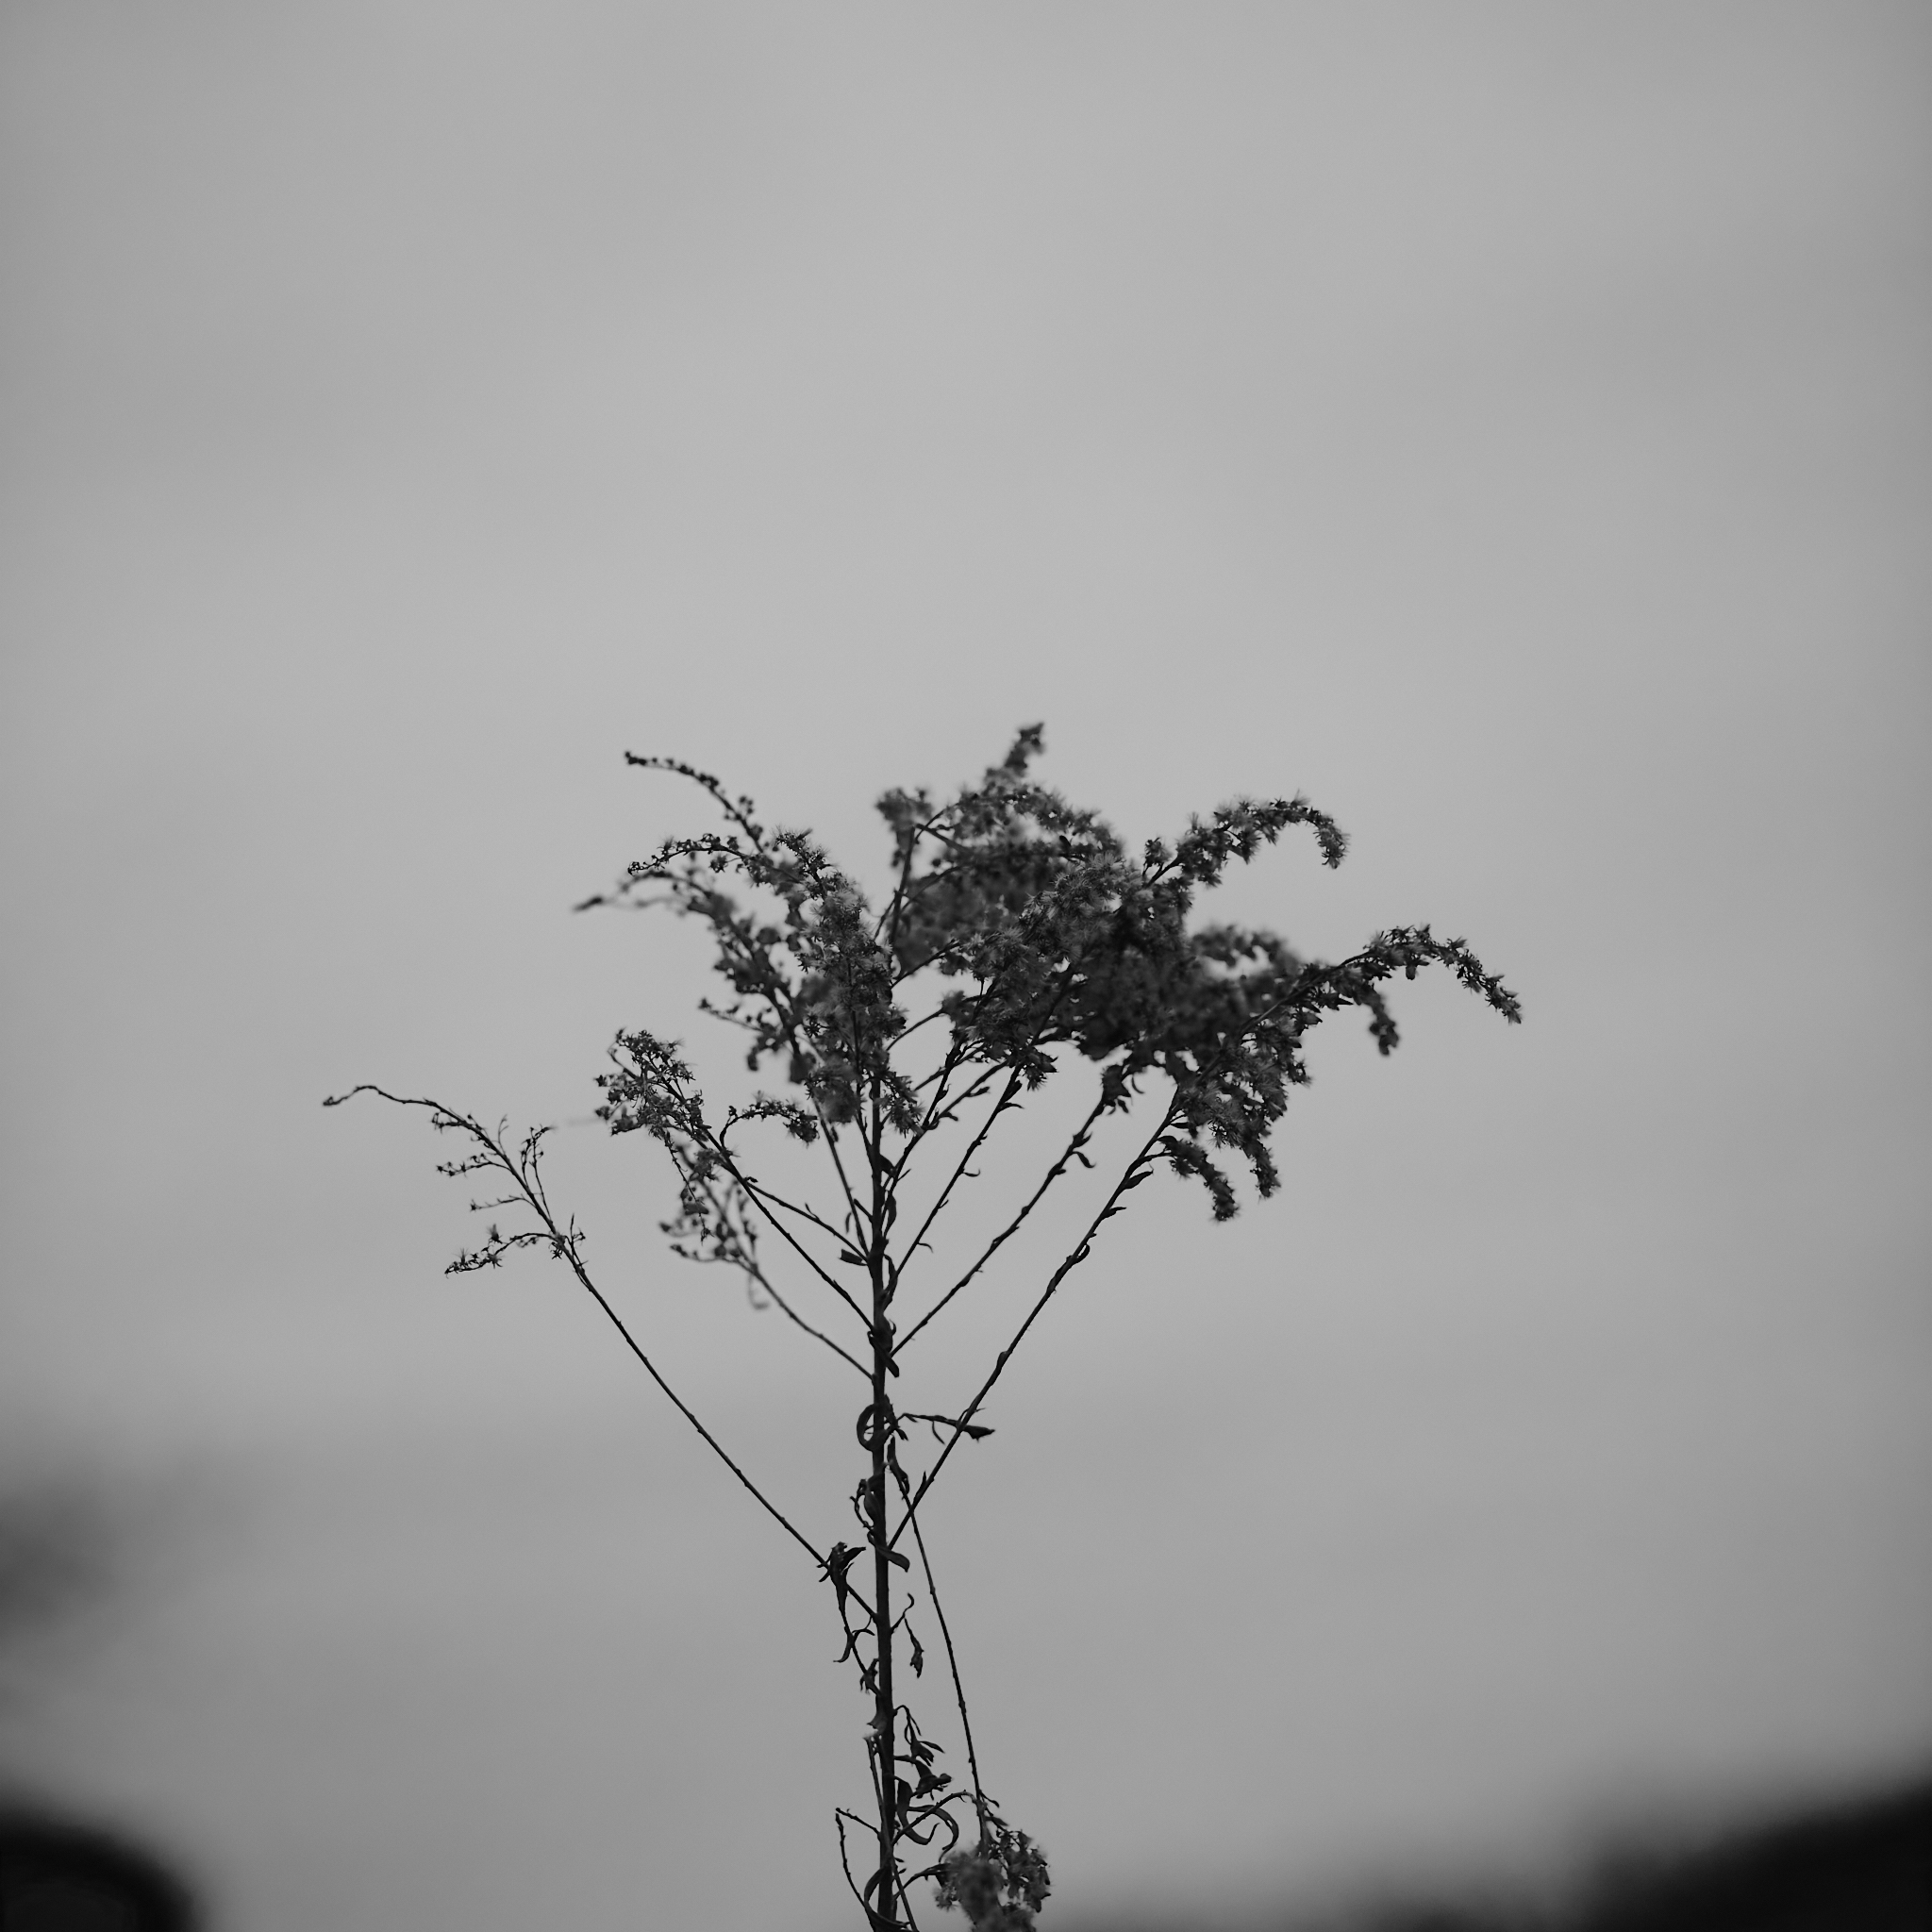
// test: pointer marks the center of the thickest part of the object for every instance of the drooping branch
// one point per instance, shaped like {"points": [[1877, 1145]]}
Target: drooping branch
{"points": [[651, 1092], [760, 1196], [737, 1249], [564, 1243]]}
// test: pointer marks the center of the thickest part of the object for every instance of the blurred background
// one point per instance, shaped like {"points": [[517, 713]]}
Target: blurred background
{"points": [[1507, 424]]}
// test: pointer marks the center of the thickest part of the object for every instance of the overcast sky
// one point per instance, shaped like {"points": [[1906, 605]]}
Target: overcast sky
{"points": [[1507, 424]]}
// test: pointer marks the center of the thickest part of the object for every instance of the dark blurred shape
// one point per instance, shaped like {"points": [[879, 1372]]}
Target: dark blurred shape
{"points": [[54, 1545], [57, 1876], [1864, 1867]]}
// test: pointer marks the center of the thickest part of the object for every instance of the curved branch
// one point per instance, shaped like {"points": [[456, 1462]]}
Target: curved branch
{"points": [[747, 1263], [565, 1247], [757, 1196]]}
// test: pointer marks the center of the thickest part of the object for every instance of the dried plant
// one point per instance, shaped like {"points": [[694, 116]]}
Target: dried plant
{"points": [[1019, 940]]}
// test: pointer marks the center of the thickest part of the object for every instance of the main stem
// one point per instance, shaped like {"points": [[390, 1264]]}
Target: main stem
{"points": [[885, 1715]]}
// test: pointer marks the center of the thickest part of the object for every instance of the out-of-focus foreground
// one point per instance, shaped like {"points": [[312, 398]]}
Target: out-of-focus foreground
{"points": [[1859, 1867]]}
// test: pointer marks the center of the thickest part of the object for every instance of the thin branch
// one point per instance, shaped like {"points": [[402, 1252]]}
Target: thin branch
{"points": [[743, 1255], [756, 1195], [778, 996], [888, 920], [831, 1139], [912, 1027], [974, 1147], [1081, 1250], [939, 1109], [803, 1213], [1013, 1227], [979, 1084], [737, 811], [564, 1247], [840, 1815], [932, 1589], [763, 1280], [1129, 1175]]}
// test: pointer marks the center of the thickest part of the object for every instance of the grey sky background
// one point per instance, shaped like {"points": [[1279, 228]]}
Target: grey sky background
{"points": [[1508, 425]]}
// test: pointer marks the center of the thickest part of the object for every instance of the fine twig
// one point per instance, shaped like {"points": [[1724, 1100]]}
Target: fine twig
{"points": [[1073, 1150], [564, 1246], [1130, 1176]]}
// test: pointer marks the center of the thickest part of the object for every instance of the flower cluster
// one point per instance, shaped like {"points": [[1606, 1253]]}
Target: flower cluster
{"points": [[1000, 1884]]}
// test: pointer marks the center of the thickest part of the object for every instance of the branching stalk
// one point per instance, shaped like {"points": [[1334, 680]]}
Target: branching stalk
{"points": [[1063, 944]]}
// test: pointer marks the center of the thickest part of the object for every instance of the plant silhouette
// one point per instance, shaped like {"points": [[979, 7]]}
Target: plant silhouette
{"points": [[1020, 940]]}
